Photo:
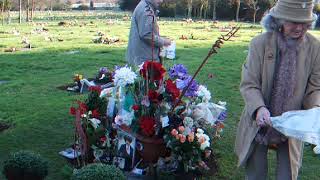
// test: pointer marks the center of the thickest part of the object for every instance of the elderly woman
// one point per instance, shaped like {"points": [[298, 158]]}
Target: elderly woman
{"points": [[144, 39], [281, 73]]}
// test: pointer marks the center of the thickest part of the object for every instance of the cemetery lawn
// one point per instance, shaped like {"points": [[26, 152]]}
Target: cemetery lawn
{"points": [[39, 112]]}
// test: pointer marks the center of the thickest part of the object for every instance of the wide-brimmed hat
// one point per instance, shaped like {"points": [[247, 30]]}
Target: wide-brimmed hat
{"points": [[294, 10]]}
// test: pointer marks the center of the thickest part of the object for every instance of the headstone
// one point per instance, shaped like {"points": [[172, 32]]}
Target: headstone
{"points": [[4, 126], [3, 82]]}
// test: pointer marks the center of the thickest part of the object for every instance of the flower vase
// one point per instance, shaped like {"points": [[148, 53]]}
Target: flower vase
{"points": [[120, 99], [153, 148]]}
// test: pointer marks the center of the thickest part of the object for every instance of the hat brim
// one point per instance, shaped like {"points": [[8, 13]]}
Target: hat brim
{"points": [[297, 19]]}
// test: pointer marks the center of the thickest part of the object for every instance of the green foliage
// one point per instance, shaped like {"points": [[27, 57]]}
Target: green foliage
{"points": [[94, 102], [316, 8], [66, 172], [98, 172], [83, 7], [25, 165], [225, 10], [168, 9], [128, 5]]}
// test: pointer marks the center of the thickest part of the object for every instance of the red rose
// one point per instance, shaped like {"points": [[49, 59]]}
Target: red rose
{"points": [[135, 107], [95, 114], [103, 139], [155, 70], [95, 89], [153, 96], [172, 89], [73, 111], [83, 108], [147, 125]]}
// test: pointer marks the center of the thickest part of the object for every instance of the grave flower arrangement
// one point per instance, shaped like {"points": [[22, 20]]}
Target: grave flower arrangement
{"points": [[169, 104], [146, 101], [188, 145], [103, 76], [77, 80]]}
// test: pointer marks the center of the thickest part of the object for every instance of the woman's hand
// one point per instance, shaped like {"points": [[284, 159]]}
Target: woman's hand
{"points": [[263, 117], [167, 42]]}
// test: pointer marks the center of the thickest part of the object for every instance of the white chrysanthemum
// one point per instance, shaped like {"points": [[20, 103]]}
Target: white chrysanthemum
{"points": [[198, 135], [200, 131], [124, 76], [206, 137], [204, 145], [203, 93]]}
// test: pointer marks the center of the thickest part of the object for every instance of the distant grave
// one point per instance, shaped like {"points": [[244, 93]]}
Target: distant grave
{"points": [[4, 126], [3, 82], [72, 52]]}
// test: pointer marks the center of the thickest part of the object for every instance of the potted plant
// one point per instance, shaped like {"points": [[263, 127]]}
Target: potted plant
{"points": [[25, 165], [98, 171]]}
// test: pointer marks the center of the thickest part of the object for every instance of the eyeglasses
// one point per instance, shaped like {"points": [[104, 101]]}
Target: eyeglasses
{"points": [[295, 24]]}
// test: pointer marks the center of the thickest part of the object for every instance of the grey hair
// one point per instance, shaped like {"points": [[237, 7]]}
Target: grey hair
{"points": [[271, 24]]}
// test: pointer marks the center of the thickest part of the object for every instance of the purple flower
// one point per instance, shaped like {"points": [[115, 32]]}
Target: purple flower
{"points": [[222, 116], [184, 81], [192, 91], [103, 70], [178, 71]]}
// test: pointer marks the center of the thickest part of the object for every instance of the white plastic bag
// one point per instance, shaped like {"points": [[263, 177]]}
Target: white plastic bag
{"points": [[169, 51], [303, 125]]}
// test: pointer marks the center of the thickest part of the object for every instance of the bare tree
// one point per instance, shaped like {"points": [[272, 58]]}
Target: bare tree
{"points": [[237, 4], [32, 9], [253, 4], [28, 10], [204, 5], [20, 11], [214, 9], [2, 11], [7, 6], [189, 5]]}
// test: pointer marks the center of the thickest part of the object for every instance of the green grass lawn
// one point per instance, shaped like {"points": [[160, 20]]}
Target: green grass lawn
{"points": [[39, 112]]}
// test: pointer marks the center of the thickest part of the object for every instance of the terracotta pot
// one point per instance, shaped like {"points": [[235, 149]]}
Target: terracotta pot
{"points": [[153, 148]]}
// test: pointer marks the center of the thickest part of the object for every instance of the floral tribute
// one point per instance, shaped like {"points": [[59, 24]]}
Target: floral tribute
{"points": [[154, 103], [148, 101]]}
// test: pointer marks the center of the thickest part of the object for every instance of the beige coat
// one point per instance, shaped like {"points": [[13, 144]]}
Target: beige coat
{"points": [[144, 34], [256, 86]]}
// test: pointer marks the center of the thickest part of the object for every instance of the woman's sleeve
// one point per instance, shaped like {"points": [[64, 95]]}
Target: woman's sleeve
{"points": [[250, 86], [312, 95]]}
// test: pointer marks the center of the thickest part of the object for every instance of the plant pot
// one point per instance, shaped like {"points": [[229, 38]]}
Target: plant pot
{"points": [[13, 176], [153, 148]]}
